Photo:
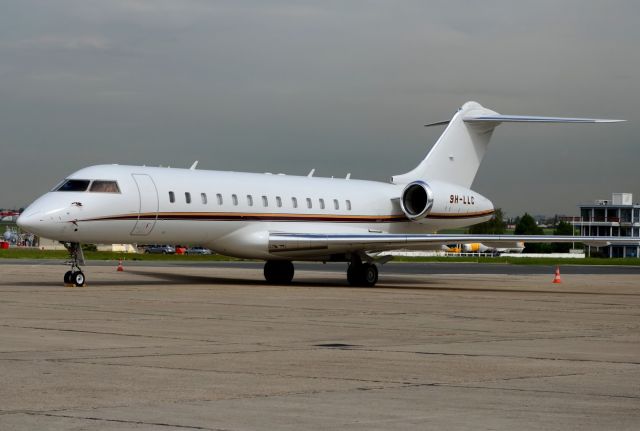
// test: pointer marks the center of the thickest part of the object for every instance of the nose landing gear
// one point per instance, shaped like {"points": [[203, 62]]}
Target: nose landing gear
{"points": [[74, 276]]}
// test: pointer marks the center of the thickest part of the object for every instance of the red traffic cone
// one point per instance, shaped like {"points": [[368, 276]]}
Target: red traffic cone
{"points": [[557, 279], [121, 268]]}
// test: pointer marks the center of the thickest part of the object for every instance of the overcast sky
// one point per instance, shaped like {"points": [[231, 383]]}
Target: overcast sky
{"points": [[340, 86]]}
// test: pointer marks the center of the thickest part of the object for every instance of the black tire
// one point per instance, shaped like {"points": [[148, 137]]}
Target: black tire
{"points": [[369, 275], [278, 271], [352, 274], [67, 277], [362, 274], [78, 278]]}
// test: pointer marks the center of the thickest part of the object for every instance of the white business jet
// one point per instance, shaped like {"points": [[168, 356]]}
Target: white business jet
{"points": [[282, 218]]}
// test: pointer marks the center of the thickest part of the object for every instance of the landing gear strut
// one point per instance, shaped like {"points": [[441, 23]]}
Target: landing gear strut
{"points": [[362, 274], [74, 276], [278, 271]]}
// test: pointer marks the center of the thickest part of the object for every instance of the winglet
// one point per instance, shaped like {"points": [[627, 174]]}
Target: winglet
{"points": [[193, 167]]}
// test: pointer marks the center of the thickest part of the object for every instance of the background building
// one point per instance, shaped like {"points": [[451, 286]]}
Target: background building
{"points": [[615, 217]]}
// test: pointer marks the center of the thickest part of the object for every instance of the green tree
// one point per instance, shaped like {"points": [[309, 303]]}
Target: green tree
{"points": [[562, 228], [495, 225], [526, 225]]}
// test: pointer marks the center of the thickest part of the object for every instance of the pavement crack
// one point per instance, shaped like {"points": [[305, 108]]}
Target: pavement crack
{"points": [[236, 372], [542, 391], [479, 355], [42, 328], [125, 421]]}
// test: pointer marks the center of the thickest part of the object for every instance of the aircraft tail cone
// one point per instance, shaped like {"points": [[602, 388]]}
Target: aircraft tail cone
{"points": [[557, 279], [121, 268]]}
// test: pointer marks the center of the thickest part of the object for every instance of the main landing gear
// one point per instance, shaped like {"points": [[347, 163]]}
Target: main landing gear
{"points": [[362, 274], [359, 273], [278, 271], [74, 276]]}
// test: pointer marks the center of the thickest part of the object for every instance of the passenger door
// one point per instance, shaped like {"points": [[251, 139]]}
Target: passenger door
{"points": [[148, 210]]}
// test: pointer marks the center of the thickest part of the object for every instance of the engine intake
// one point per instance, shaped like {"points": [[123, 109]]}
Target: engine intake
{"points": [[416, 200]]}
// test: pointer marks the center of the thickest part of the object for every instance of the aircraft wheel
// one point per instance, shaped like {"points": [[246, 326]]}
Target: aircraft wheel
{"points": [[352, 274], [67, 277], [77, 278], [369, 275], [278, 271], [362, 274]]}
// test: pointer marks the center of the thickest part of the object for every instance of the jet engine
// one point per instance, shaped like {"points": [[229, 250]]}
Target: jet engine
{"points": [[416, 200], [451, 205]]}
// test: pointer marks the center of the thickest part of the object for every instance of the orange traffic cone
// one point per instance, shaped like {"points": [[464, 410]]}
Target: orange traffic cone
{"points": [[557, 279], [121, 268]]}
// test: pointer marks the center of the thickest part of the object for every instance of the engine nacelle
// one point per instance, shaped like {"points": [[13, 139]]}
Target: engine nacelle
{"points": [[451, 205], [416, 200]]}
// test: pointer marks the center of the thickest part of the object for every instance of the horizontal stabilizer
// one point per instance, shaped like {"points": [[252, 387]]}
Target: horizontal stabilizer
{"points": [[532, 119], [439, 123]]}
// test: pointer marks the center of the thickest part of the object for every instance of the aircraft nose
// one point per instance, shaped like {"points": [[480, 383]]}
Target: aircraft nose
{"points": [[30, 221]]}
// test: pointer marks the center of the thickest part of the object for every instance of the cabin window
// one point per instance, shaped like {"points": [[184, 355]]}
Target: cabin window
{"points": [[172, 197], [321, 204], [265, 201], [348, 205], [336, 204], [279, 201], [250, 200], [102, 186], [187, 197], [309, 204], [219, 198], [234, 199], [73, 186], [203, 196], [294, 202]]}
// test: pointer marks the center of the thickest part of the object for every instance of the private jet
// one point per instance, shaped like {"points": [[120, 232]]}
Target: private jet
{"points": [[283, 218]]}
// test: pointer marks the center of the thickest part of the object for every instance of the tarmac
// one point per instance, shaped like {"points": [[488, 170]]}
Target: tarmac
{"points": [[215, 348]]}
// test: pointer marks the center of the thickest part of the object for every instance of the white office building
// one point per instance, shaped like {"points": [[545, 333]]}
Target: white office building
{"points": [[617, 216]]}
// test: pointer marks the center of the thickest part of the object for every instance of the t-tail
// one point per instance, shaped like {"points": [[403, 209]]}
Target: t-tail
{"points": [[456, 156]]}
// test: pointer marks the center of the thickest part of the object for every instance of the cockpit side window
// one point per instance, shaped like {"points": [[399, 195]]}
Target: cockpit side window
{"points": [[103, 186], [73, 186]]}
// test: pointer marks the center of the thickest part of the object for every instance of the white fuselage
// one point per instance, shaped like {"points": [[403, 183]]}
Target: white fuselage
{"points": [[232, 212]]}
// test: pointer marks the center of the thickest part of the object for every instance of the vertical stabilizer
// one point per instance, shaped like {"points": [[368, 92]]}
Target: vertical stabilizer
{"points": [[456, 156]]}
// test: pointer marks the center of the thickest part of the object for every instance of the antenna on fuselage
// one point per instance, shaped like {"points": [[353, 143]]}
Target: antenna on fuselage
{"points": [[311, 172], [193, 167]]}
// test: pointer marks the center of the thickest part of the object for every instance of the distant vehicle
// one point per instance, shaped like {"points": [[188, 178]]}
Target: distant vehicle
{"points": [[478, 247], [198, 250], [160, 249]]}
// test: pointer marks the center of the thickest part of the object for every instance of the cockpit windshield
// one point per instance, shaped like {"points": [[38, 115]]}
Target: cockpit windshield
{"points": [[97, 186], [73, 186], [104, 186]]}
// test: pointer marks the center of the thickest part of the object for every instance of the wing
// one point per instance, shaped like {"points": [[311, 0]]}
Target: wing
{"points": [[313, 243]]}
